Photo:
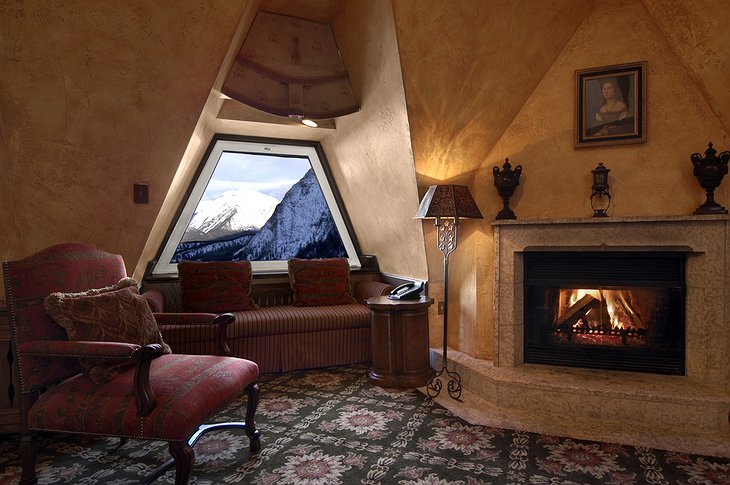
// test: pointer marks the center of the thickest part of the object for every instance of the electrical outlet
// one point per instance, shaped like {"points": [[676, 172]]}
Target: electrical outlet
{"points": [[440, 308]]}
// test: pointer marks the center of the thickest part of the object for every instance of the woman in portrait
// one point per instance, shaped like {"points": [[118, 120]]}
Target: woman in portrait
{"points": [[613, 115], [614, 108]]}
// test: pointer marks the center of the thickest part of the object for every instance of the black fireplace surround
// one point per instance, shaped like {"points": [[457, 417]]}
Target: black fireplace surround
{"points": [[617, 310]]}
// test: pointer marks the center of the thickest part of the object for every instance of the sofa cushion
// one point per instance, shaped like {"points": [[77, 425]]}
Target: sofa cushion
{"points": [[216, 286], [289, 319], [320, 282], [112, 314]]}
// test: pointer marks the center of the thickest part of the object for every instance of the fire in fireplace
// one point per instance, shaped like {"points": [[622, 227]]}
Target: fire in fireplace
{"points": [[620, 310], [592, 314]]}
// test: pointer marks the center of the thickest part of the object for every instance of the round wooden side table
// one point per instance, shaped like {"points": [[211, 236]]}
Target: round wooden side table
{"points": [[400, 344]]}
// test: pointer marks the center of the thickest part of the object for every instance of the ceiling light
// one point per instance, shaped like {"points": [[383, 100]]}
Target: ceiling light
{"points": [[310, 123]]}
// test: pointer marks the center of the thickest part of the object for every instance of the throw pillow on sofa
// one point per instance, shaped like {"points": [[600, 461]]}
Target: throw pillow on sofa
{"points": [[320, 282], [113, 314], [216, 286]]}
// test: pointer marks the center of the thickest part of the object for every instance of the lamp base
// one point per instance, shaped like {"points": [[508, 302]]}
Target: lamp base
{"points": [[434, 386]]}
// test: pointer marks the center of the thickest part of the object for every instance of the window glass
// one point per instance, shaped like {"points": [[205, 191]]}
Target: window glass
{"points": [[262, 202]]}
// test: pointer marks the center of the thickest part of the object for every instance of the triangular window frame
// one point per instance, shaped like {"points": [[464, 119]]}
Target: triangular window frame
{"points": [[266, 147]]}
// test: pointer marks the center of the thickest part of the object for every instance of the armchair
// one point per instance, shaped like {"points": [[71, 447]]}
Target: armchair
{"points": [[156, 396]]}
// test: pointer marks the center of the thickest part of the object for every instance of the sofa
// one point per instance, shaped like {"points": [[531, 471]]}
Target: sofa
{"points": [[276, 332]]}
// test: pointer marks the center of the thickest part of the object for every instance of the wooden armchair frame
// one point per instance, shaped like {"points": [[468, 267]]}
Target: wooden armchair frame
{"points": [[149, 397]]}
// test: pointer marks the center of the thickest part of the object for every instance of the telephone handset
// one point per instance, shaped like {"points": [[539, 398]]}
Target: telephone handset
{"points": [[407, 291]]}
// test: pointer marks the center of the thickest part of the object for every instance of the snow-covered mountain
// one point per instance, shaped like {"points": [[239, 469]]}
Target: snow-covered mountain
{"points": [[233, 212], [301, 226]]}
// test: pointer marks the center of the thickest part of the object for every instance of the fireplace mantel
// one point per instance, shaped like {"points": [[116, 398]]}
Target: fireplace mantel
{"points": [[686, 413], [705, 238], [610, 220]]}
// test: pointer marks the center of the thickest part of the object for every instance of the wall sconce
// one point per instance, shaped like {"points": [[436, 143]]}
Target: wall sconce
{"points": [[600, 197], [447, 204]]}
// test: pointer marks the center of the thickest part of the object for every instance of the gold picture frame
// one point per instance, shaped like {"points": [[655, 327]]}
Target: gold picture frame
{"points": [[610, 105]]}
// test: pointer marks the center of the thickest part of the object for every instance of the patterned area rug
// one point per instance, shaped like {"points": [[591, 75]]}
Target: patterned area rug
{"points": [[333, 427]]}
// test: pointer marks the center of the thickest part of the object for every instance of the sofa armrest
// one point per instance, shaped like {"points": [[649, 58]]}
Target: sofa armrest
{"points": [[196, 332], [369, 289], [155, 299]]}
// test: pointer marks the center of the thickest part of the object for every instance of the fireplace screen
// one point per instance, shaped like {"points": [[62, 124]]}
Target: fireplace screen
{"points": [[607, 310]]}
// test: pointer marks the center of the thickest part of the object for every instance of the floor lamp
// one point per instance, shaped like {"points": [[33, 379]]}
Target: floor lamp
{"points": [[447, 204]]}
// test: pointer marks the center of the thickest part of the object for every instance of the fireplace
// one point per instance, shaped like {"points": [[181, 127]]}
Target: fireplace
{"points": [[616, 310]]}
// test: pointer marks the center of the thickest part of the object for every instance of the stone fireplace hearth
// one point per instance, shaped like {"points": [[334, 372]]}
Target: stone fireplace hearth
{"points": [[631, 407]]}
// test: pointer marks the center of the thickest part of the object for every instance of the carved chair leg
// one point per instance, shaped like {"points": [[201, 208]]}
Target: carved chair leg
{"points": [[28, 456], [122, 442], [252, 391], [184, 456]]}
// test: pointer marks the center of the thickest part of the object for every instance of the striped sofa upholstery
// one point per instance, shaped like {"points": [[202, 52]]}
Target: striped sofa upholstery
{"points": [[283, 337]]}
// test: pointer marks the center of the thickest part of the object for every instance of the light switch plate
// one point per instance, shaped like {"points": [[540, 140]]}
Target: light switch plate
{"points": [[141, 194]]}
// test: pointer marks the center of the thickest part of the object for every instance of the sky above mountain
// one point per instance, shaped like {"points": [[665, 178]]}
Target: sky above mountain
{"points": [[266, 174]]}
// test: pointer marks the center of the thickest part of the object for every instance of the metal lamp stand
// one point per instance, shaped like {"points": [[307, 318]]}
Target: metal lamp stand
{"points": [[447, 236]]}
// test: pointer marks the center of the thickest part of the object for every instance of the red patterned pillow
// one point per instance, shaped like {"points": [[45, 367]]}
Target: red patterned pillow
{"points": [[113, 314], [320, 282], [216, 286]]}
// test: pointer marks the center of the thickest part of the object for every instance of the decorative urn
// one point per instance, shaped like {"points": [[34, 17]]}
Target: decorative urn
{"points": [[506, 181], [710, 171]]}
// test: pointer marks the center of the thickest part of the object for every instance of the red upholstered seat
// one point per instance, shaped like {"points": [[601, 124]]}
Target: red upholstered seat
{"points": [[189, 389], [143, 393]]}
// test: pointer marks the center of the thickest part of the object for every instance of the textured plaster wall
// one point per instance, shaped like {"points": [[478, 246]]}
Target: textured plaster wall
{"points": [[205, 128], [491, 89], [95, 96], [698, 33], [654, 178], [468, 68], [370, 152]]}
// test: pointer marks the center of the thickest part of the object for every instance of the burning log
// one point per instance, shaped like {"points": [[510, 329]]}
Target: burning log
{"points": [[577, 311]]}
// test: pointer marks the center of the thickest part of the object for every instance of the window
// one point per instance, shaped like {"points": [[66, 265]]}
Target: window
{"points": [[260, 201]]}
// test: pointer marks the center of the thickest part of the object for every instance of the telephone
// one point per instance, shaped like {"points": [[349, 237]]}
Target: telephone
{"points": [[407, 291]]}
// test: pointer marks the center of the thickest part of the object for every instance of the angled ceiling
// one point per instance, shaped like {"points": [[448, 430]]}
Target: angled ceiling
{"points": [[317, 10], [468, 68]]}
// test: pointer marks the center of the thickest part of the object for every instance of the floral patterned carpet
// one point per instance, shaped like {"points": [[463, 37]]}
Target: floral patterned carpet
{"points": [[333, 427]]}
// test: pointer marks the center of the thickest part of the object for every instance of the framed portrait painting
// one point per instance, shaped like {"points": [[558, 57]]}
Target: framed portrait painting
{"points": [[611, 105]]}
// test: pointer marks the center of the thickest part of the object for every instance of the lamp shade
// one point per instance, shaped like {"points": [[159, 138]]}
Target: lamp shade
{"points": [[448, 201]]}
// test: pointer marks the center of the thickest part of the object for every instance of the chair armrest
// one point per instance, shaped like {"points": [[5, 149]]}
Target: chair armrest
{"points": [[78, 348], [143, 393], [179, 329], [369, 289], [143, 355]]}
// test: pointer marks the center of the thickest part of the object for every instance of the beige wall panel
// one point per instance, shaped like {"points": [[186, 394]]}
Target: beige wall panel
{"points": [[654, 178], [94, 97], [468, 67], [370, 152], [206, 127], [698, 32]]}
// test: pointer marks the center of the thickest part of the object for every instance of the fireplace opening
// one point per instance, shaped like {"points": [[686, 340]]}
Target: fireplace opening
{"points": [[617, 310]]}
